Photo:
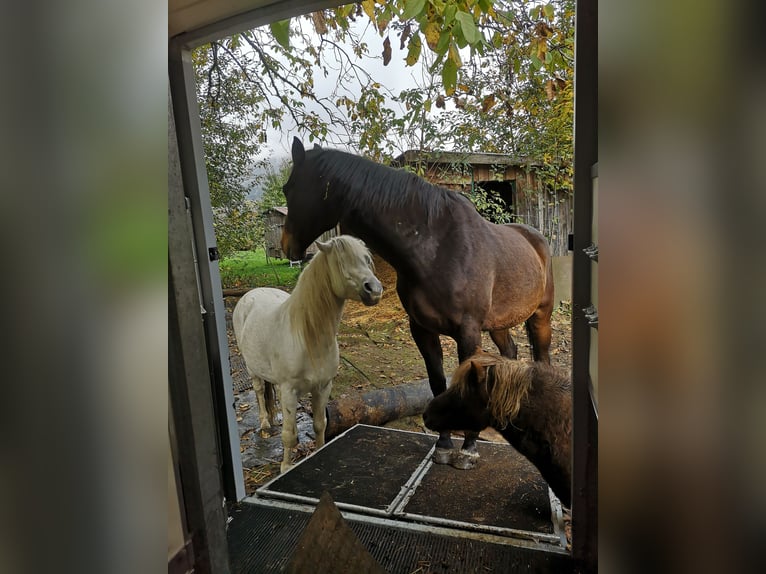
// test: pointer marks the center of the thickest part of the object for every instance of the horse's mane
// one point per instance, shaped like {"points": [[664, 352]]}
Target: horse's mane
{"points": [[370, 185], [313, 303], [511, 380]]}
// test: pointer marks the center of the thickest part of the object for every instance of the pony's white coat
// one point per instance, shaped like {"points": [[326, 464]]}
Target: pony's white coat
{"points": [[290, 341]]}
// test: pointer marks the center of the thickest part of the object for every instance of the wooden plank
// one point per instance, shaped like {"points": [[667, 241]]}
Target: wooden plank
{"points": [[329, 546]]}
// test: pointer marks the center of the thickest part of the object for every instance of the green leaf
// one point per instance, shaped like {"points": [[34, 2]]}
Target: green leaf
{"points": [[457, 34], [412, 8], [454, 56], [449, 77], [443, 44], [548, 11], [413, 53], [449, 14], [468, 27], [281, 32]]}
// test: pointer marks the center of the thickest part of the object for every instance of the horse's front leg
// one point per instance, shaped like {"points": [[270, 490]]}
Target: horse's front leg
{"points": [[467, 342], [319, 400], [289, 426], [431, 350]]}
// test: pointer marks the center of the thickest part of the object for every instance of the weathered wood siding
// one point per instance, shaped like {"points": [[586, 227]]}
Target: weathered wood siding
{"points": [[551, 213], [274, 222]]}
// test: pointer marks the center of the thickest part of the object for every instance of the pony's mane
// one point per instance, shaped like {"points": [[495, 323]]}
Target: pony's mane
{"points": [[314, 308], [371, 185], [511, 380]]}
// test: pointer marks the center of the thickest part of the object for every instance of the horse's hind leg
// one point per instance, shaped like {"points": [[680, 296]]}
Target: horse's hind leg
{"points": [[539, 332], [504, 341], [259, 386], [272, 392], [289, 426], [319, 398]]}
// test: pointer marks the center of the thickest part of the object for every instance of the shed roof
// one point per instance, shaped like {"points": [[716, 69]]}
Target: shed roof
{"points": [[462, 157], [279, 209]]}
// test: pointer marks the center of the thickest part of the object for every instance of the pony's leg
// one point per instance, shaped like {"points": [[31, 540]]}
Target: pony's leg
{"points": [[504, 341], [289, 426], [319, 400], [259, 386], [468, 455], [431, 350], [272, 392], [539, 332]]}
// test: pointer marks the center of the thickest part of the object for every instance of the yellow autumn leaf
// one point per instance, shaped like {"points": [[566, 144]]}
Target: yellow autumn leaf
{"points": [[542, 48], [487, 103], [369, 8], [432, 34]]}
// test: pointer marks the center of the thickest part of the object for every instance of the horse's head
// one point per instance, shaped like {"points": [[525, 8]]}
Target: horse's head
{"points": [[310, 209], [464, 405], [351, 268]]}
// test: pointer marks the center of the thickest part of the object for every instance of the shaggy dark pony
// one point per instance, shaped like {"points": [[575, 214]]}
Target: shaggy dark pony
{"points": [[530, 404]]}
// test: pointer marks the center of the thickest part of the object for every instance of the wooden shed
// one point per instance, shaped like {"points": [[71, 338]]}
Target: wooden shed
{"points": [[274, 220], [511, 179]]}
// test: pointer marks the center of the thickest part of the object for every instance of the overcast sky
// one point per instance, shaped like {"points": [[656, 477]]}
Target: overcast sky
{"points": [[396, 76]]}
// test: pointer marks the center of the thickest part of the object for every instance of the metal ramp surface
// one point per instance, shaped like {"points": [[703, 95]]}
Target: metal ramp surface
{"points": [[263, 535], [383, 479]]}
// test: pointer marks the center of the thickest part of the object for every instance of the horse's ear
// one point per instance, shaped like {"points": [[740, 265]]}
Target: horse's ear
{"points": [[299, 154], [324, 246], [478, 371]]}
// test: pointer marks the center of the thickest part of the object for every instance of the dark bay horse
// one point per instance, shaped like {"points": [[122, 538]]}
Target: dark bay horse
{"points": [[530, 404], [457, 273]]}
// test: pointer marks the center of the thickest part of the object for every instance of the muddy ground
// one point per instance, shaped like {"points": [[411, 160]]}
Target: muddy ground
{"points": [[377, 351]]}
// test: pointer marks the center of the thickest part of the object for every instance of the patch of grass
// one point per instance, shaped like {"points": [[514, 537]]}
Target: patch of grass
{"points": [[250, 269]]}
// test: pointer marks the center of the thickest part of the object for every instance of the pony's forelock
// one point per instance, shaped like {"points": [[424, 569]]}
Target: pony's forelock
{"points": [[511, 381]]}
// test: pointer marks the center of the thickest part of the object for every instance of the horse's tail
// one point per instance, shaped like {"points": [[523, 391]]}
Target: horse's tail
{"points": [[271, 400]]}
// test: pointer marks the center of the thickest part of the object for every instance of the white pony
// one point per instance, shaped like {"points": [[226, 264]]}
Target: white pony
{"points": [[290, 341]]}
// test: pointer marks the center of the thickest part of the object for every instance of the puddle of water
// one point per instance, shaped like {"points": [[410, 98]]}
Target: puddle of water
{"points": [[256, 450]]}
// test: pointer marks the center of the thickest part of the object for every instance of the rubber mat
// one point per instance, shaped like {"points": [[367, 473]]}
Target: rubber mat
{"points": [[387, 471], [366, 466], [503, 490]]}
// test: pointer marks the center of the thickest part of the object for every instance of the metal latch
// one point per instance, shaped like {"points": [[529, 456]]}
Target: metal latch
{"points": [[591, 314], [592, 252]]}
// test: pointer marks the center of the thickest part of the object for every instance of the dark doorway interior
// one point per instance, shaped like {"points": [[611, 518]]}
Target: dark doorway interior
{"points": [[505, 190]]}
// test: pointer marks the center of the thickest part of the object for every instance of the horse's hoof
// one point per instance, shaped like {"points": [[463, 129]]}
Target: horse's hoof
{"points": [[464, 460], [442, 455]]}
